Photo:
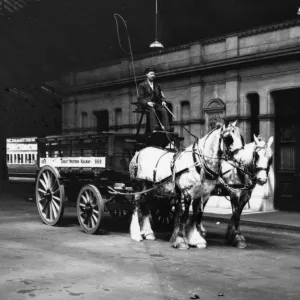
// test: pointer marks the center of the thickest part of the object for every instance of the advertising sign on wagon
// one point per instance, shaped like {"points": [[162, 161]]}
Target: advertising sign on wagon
{"points": [[76, 162]]}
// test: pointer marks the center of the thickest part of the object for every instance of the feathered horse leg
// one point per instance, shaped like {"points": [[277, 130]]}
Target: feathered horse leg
{"points": [[135, 230], [146, 230], [178, 238], [233, 234], [201, 228], [193, 230]]}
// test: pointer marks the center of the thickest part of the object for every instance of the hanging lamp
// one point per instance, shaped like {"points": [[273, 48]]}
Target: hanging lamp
{"points": [[156, 44]]}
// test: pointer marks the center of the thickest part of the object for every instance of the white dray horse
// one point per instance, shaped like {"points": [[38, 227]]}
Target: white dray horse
{"points": [[185, 175], [247, 168]]}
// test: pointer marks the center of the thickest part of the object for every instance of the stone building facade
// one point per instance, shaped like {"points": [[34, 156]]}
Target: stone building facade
{"points": [[252, 76]]}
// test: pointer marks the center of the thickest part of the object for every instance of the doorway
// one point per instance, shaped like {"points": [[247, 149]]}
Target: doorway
{"points": [[287, 149]]}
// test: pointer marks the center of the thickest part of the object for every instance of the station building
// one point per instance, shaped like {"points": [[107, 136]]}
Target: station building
{"points": [[251, 76]]}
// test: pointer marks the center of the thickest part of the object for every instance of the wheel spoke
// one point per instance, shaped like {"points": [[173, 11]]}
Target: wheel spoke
{"points": [[95, 218], [89, 196], [56, 206], [53, 182], [93, 223], [51, 215], [86, 219], [42, 202], [45, 177], [49, 177], [46, 210], [43, 183], [89, 222], [84, 198], [46, 204], [56, 198], [42, 191], [55, 209], [55, 191]]}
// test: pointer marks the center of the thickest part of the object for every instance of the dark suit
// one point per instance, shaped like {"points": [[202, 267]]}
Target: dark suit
{"points": [[147, 94]]}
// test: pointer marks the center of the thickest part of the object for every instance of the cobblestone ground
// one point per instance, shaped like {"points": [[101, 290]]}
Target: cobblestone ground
{"points": [[43, 262]]}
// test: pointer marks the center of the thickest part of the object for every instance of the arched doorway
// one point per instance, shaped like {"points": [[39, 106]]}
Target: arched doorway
{"points": [[287, 149]]}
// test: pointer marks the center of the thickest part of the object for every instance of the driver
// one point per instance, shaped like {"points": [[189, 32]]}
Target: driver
{"points": [[150, 94]]}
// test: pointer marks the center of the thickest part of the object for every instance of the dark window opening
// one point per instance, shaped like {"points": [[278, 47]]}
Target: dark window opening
{"points": [[102, 120], [170, 107], [254, 109]]}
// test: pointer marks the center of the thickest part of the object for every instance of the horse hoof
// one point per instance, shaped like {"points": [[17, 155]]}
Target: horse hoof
{"points": [[137, 239], [150, 237], [201, 246], [241, 245], [181, 246]]}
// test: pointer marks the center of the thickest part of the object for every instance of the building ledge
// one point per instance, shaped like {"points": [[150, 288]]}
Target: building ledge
{"points": [[189, 70]]}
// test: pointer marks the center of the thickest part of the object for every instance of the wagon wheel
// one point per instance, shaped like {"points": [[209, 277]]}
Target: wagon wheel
{"points": [[50, 195], [120, 213], [90, 208], [163, 214]]}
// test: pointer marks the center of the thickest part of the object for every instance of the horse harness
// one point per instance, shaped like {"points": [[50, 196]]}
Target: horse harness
{"points": [[252, 176], [199, 163]]}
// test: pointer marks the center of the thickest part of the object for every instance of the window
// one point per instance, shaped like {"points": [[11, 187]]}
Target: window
{"points": [[253, 99], [170, 107], [102, 120], [185, 116], [7, 158], [84, 120], [118, 117]]}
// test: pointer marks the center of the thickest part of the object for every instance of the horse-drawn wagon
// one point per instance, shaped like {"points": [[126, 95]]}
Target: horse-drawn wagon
{"points": [[77, 170]]}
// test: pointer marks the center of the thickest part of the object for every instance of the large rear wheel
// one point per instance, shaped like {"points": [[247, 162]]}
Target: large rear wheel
{"points": [[50, 195]]}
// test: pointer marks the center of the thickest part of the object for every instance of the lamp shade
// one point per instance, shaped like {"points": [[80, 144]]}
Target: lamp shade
{"points": [[157, 45]]}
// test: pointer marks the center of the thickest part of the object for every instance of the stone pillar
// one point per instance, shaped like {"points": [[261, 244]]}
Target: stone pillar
{"points": [[196, 105], [232, 46], [245, 117], [232, 99], [263, 196], [177, 111], [196, 54]]}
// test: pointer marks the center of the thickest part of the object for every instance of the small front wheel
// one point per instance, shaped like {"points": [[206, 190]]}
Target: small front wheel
{"points": [[90, 208]]}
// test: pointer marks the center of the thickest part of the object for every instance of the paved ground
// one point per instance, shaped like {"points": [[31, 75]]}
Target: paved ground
{"points": [[42, 262]]}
